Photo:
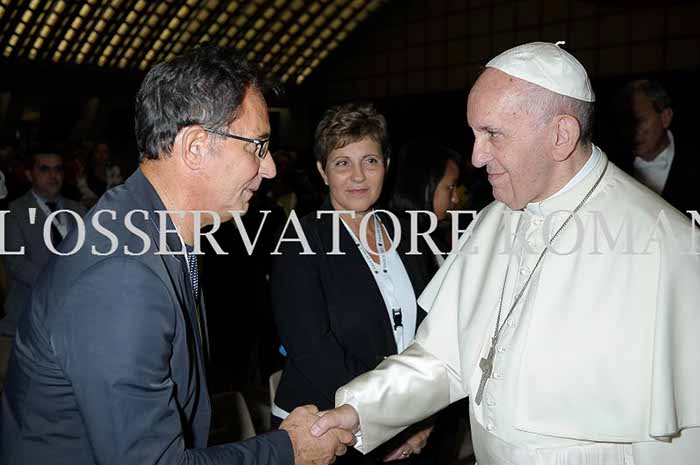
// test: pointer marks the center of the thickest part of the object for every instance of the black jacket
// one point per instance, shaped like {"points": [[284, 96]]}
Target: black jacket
{"points": [[330, 313], [681, 189], [108, 365]]}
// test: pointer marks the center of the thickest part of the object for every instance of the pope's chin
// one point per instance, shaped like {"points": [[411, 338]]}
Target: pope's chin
{"points": [[509, 201]]}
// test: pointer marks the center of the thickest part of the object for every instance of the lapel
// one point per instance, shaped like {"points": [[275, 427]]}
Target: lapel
{"points": [[671, 181], [36, 230], [176, 265], [351, 271], [30, 202], [71, 223], [414, 264]]}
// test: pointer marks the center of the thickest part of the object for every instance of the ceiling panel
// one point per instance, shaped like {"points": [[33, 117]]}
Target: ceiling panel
{"points": [[289, 38]]}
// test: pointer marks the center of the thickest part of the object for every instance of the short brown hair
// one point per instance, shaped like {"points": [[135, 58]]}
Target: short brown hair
{"points": [[349, 123]]}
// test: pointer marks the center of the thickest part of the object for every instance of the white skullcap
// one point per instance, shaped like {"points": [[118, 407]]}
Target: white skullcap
{"points": [[548, 66]]}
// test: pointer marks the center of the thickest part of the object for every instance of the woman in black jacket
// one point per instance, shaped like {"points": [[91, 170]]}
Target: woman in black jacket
{"points": [[343, 309]]}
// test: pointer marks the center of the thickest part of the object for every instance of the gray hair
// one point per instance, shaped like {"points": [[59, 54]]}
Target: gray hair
{"points": [[653, 90], [545, 105]]}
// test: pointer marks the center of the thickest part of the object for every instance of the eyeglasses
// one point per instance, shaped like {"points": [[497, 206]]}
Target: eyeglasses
{"points": [[261, 145]]}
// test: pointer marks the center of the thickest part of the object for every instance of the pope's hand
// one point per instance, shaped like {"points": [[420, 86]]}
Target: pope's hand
{"points": [[414, 445], [344, 417], [317, 449]]}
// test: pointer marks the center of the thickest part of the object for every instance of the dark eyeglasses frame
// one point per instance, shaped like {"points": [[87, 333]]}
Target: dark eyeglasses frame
{"points": [[261, 145]]}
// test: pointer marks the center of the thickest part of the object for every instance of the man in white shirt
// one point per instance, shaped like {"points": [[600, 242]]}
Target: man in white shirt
{"points": [[647, 106], [574, 346]]}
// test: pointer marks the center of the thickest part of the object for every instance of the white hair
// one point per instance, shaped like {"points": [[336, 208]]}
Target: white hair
{"points": [[545, 105]]}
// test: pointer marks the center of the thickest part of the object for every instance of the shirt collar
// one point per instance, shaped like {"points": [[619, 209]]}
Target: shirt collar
{"points": [[42, 200], [662, 160], [548, 204]]}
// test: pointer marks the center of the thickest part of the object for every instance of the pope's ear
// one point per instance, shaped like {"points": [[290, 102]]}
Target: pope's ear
{"points": [[194, 144], [567, 132]]}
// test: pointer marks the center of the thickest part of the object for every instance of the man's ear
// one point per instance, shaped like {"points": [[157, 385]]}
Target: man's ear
{"points": [[566, 136], [28, 174], [194, 144], [319, 167], [666, 117]]}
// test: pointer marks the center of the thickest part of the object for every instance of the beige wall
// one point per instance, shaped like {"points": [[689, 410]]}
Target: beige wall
{"points": [[426, 46]]}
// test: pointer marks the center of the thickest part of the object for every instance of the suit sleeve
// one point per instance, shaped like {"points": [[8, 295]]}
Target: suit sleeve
{"points": [[300, 311], [114, 346], [19, 266]]}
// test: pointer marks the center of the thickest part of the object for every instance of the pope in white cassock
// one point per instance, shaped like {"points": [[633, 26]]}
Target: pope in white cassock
{"points": [[569, 313]]}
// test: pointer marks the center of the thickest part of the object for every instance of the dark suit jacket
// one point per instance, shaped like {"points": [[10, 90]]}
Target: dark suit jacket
{"points": [[108, 365], [23, 270], [330, 313], [681, 189]]}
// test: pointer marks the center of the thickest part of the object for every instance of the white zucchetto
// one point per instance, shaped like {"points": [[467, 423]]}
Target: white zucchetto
{"points": [[546, 65]]}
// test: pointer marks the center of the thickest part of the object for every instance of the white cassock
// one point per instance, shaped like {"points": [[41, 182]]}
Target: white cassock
{"points": [[599, 364]]}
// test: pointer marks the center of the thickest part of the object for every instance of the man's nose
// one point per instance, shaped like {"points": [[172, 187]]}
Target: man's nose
{"points": [[480, 157], [268, 169]]}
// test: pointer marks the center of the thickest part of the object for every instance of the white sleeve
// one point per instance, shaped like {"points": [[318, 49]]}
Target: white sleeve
{"points": [[404, 389]]}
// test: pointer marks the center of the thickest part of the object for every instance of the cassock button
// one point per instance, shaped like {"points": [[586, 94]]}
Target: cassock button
{"points": [[531, 244], [511, 323], [490, 427], [490, 402], [501, 349], [497, 375], [537, 221], [524, 271]]}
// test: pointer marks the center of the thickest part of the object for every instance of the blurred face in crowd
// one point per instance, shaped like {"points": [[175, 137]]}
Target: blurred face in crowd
{"points": [[650, 127], [232, 172], [445, 197], [46, 175], [508, 141], [101, 153], [355, 175]]}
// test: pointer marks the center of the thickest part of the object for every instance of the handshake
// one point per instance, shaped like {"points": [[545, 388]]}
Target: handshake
{"points": [[317, 441]]}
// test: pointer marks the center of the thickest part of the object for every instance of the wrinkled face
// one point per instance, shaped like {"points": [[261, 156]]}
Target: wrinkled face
{"points": [[46, 175], [445, 197], [508, 141], [232, 171], [355, 175], [649, 127]]}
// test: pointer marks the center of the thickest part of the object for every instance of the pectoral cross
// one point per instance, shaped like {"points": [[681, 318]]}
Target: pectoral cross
{"points": [[486, 365]]}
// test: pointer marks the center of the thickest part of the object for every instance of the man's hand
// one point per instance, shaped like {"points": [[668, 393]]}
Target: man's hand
{"points": [[310, 450], [414, 445], [343, 417]]}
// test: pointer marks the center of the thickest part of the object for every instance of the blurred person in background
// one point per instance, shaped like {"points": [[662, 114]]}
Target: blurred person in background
{"points": [[339, 316], [426, 179], [95, 174], [44, 169], [659, 158]]}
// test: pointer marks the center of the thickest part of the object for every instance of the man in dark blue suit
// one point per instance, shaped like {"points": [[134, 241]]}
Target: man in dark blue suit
{"points": [[108, 361]]}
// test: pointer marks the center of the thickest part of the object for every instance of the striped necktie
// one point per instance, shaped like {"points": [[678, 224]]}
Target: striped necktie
{"points": [[194, 273]]}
